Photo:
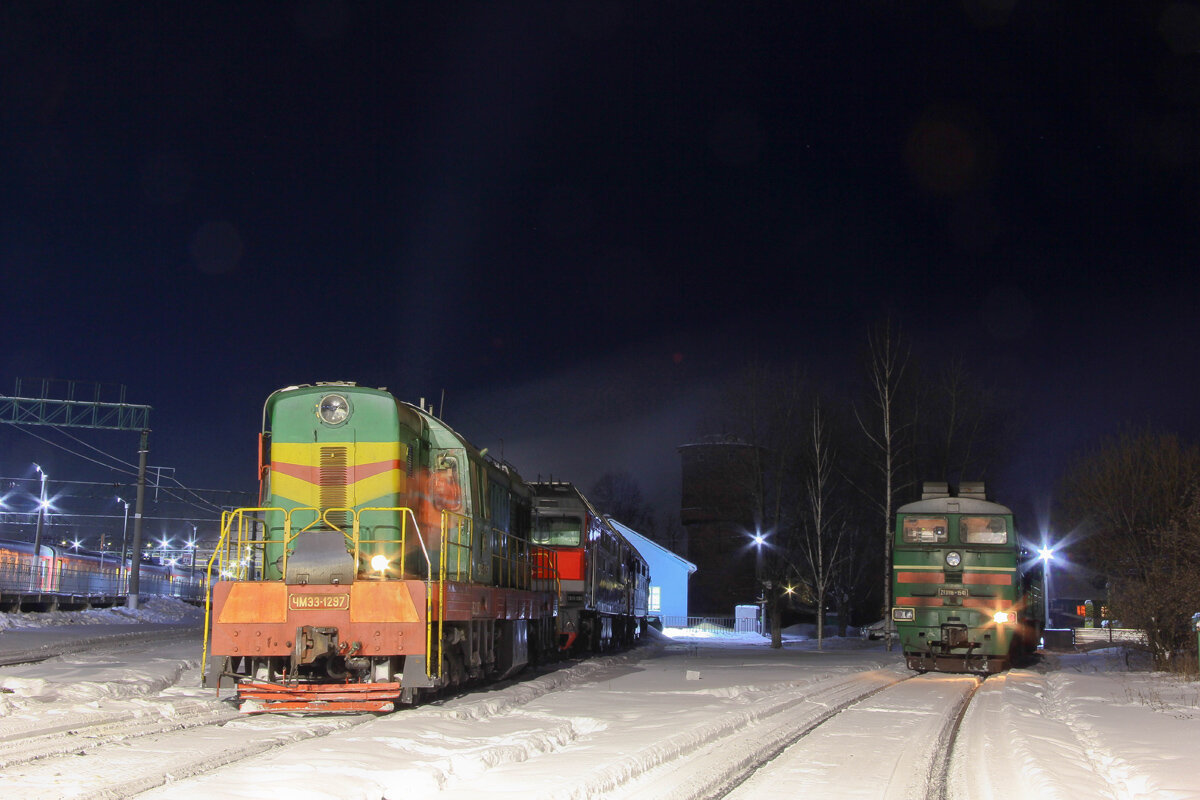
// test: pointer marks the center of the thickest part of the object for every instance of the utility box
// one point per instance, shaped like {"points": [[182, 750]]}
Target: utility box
{"points": [[745, 619], [1058, 639]]}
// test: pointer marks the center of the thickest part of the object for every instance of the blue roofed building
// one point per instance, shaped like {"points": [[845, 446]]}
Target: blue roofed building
{"points": [[668, 577]]}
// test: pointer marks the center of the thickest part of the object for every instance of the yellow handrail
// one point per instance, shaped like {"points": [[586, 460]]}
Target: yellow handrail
{"points": [[235, 554], [242, 551]]}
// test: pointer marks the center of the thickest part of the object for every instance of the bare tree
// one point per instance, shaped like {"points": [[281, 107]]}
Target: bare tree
{"points": [[887, 359], [618, 495], [1137, 500], [762, 409], [963, 428], [824, 530]]}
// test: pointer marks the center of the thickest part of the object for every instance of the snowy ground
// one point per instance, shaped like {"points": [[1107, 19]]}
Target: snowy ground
{"points": [[672, 718]]}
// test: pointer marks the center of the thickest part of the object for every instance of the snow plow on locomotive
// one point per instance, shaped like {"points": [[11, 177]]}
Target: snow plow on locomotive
{"points": [[388, 559], [962, 598]]}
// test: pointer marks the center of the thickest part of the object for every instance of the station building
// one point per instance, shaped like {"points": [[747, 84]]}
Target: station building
{"points": [[669, 575]]}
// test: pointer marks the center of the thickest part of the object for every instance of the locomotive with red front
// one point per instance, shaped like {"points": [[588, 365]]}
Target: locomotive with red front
{"points": [[604, 582]]}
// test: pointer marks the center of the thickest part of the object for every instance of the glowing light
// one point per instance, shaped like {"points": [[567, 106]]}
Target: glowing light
{"points": [[76, 544], [789, 590], [758, 539], [379, 563], [1046, 553], [1002, 617]]}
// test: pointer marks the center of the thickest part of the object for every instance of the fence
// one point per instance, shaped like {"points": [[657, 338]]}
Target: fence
{"points": [[1093, 636], [715, 624]]}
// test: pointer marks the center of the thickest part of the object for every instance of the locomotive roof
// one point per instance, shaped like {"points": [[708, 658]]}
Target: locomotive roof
{"points": [[953, 505]]}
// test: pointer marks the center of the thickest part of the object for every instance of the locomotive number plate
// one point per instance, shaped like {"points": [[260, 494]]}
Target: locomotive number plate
{"points": [[303, 602], [952, 591]]}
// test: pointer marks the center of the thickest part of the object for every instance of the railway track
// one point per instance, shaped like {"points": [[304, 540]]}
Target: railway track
{"points": [[135, 735], [137, 754], [893, 744], [75, 736]]}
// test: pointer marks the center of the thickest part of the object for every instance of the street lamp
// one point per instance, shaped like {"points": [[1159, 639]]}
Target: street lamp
{"points": [[759, 540], [37, 536], [192, 548], [124, 531], [1046, 554], [35, 577]]}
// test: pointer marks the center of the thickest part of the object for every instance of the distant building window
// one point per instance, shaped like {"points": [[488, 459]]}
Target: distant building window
{"points": [[656, 598]]}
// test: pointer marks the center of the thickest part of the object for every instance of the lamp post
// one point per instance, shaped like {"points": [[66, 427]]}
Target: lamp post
{"points": [[1046, 554], [124, 531], [35, 577], [37, 536], [759, 540], [192, 549]]}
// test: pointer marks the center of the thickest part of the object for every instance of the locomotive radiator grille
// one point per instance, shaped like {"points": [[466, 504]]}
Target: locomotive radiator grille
{"points": [[334, 490]]}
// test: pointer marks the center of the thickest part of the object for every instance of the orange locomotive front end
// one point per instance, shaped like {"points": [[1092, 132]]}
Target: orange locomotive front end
{"points": [[389, 558]]}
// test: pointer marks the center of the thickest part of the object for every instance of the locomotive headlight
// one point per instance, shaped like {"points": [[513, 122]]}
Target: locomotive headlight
{"points": [[379, 563], [1002, 616], [953, 558], [333, 409]]}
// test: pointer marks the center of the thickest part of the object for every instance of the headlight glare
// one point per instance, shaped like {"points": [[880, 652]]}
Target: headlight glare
{"points": [[379, 563], [1002, 617]]}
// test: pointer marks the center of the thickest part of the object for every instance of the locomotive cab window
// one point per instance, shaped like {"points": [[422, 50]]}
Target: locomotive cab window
{"points": [[982, 530], [446, 489], [560, 531], [925, 530]]}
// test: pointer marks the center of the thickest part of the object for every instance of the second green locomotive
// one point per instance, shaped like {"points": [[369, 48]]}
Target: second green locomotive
{"points": [[962, 599]]}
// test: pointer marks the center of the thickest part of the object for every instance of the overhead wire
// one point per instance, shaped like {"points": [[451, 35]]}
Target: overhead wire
{"points": [[207, 505]]}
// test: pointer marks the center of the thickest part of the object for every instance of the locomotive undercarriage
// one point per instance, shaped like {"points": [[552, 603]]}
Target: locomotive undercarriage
{"points": [[959, 649], [589, 632], [323, 673]]}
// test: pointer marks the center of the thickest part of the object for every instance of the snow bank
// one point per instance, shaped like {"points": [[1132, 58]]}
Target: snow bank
{"points": [[166, 610]]}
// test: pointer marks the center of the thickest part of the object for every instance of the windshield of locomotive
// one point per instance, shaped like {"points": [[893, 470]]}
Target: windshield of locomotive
{"points": [[925, 530], [982, 530], [560, 531]]}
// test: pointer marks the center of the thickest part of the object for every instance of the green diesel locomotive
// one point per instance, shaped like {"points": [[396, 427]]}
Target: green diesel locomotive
{"points": [[963, 601]]}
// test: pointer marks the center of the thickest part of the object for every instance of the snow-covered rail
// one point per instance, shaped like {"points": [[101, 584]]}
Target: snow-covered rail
{"points": [[892, 744], [118, 769], [75, 736], [734, 750]]}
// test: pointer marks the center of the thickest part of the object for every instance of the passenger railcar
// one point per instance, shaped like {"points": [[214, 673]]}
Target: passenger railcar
{"points": [[963, 600], [62, 577], [604, 582], [388, 558]]}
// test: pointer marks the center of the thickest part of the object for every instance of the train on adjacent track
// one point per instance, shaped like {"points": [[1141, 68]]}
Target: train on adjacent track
{"points": [[603, 582], [389, 559], [63, 577], [964, 599]]}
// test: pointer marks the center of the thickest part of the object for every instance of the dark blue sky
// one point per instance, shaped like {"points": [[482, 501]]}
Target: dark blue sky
{"points": [[576, 219]]}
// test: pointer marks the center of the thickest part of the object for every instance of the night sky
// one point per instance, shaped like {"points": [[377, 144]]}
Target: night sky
{"points": [[567, 223]]}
